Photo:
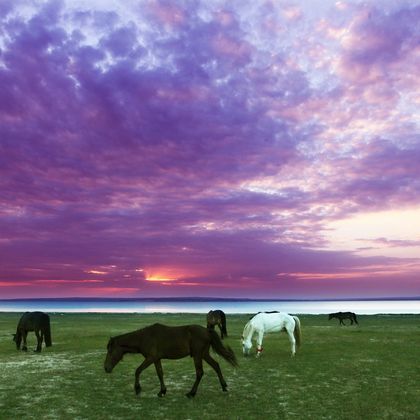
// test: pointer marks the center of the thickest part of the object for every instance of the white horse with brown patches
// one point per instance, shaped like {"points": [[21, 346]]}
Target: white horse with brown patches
{"points": [[268, 322]]}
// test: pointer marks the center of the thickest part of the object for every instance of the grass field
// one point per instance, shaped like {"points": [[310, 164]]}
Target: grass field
{"points": [[366, 372]]}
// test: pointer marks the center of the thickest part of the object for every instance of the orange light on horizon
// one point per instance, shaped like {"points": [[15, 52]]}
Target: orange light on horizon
{"points": [[157, 278], [165, 275]]}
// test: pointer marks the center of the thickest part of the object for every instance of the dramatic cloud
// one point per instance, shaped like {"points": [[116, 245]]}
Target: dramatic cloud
{"points": [[164, 148]]}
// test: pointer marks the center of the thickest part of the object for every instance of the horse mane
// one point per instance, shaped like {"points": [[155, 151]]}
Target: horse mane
{"points": [[265, 312], [247, 328]]}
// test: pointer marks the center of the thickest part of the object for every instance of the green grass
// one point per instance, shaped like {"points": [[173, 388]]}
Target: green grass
{"points": [[366, 372]]}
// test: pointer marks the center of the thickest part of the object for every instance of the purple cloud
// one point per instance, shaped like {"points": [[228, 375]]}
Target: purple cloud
{"points": [[207, 145]]}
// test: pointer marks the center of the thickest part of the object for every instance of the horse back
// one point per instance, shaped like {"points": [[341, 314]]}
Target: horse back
{"points": [[31, 321], [168, 342], [273, 321]]}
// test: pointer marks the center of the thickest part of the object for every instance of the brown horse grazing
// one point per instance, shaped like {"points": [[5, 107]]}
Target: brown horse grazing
{"points": [[158, 341], [344, 315], [39, 322], [217, 317]]}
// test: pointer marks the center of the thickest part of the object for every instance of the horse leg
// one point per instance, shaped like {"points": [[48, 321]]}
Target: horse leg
{"points": [[159, 371], [24, 347], [198, 363], [38, 341], [217, 369], [144, 365], [292, 341], [259, 343]]}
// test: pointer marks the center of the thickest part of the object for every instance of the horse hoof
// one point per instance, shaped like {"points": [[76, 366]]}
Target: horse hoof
{"points": [[137, 390], [190, 395], [161, 394]]}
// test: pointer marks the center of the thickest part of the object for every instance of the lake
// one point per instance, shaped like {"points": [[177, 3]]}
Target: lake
{"points": [[367, 307]]}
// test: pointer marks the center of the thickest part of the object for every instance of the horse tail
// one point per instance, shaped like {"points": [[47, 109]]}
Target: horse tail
{"points": [[224, 330], [47, 332], [217, 345], [297, 332]]}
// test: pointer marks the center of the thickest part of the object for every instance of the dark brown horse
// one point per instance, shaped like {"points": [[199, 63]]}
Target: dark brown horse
{"points": [[39, 322], [158, 341], [344, 315], [217, 317]]}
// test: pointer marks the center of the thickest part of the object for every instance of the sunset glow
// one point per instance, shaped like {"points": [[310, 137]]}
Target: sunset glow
{"points": [[225, 149]]}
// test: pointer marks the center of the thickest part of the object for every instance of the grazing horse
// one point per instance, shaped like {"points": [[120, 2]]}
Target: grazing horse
{"points": [[39, 322], [344, 315], [267, 322], [217, 317], [158, 341]]}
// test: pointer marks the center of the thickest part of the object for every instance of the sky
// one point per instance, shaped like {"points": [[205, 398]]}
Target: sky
{"points": [[257, 149]]}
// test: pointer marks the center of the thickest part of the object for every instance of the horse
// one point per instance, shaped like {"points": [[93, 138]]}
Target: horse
{"points": [[39, 322], [344, 315], [217, 317], [267, 322], [157, 341]]}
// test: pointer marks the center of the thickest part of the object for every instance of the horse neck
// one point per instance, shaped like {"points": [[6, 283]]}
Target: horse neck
{"points": [[248, 331], [131, 342]]}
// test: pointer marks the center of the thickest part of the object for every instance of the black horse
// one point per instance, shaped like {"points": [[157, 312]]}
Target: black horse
{"points": [[158, 341], [344, 315], [39, 322], [217, 317]]}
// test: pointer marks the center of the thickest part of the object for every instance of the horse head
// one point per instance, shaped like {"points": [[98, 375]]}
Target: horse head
{"points": [[17, 338], [246, 346], [114, 355]]}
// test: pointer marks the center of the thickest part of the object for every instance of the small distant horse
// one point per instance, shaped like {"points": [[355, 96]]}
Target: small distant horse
{"points": [[217, 317], [344, 315], [158, 341], [267, 322], [39, 322]]}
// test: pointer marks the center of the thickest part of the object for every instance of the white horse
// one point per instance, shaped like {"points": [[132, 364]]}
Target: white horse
{"points": [[266, 322]]}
